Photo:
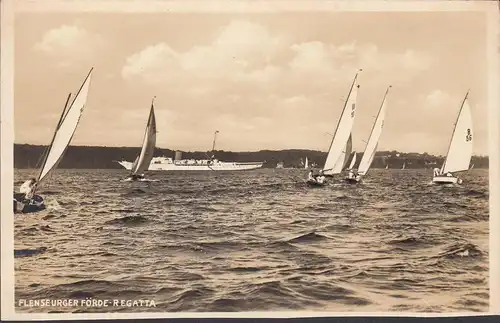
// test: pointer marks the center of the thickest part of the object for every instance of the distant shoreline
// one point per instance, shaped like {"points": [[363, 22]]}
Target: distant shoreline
{"points": [[98, 157]]}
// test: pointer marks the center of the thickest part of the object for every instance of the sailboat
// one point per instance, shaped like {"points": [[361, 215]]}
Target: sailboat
{"points": [[341, 144], [387, 166], [65, 129], [306, 164], [372, 144], [142, 161], [404, 166], [460, 149]]}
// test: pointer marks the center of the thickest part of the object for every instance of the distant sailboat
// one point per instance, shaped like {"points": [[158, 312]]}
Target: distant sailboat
{"points": [[404, 166], [372, 144], [341, 144], [460, 149], [306, 164], [29, 202], [142, 161], [387, 166]]}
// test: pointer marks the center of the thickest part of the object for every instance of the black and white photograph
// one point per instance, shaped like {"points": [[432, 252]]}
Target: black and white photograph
{"points": [[217, 156]]}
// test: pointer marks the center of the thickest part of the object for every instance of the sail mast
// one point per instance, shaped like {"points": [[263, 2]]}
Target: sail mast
{"points": [[213, 144], [343, 111], [454, 129]]}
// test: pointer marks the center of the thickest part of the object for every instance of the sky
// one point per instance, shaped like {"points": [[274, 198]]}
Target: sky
{"points": [[264, 80]]}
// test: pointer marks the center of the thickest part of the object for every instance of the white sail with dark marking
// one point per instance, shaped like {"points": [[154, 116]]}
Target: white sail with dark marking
{"points": [[343, 131], [461, 144], [65, 129], [141, 164], [372, 144]]}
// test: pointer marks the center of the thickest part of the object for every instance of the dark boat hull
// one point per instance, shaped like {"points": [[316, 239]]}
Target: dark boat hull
{"points": [[315, 184], [351, 180], [21, 205]]}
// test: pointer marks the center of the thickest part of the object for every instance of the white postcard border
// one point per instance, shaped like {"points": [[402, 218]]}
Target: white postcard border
{"points": [[9, 7]]}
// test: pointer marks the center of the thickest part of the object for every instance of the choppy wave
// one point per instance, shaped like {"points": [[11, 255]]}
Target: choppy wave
{"points": [[259, 240]]}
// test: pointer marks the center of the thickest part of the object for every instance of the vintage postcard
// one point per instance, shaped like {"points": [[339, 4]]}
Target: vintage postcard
{"points": [[249, 158]]}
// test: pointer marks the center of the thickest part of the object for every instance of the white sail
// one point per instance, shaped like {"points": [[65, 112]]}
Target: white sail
{"points": [[371, 145], [306, 165], [353, 161], [343, 131], [65, 129], [148, 145], [460, 150], [341, 163], [404, 166]]}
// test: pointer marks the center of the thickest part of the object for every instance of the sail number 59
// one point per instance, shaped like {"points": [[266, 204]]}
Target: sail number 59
{"points": [[468, 137]]}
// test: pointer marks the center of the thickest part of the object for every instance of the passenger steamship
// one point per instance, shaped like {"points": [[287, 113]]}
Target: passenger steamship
{"points": [[168, 164]]}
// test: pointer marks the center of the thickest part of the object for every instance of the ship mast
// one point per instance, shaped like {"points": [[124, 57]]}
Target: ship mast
{"points": [[213, 144]]}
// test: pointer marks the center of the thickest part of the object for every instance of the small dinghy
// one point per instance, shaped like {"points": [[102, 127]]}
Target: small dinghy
{"points": [[460, 148], [313, 183], [28, 201]]}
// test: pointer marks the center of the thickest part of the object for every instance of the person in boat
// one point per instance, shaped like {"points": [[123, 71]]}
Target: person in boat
{"points": [[311, 177], [321, 177], [350, 174], [28, 188]]}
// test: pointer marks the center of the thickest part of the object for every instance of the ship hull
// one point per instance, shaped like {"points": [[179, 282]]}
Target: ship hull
{"points": [[446, 180], [181, 167]]}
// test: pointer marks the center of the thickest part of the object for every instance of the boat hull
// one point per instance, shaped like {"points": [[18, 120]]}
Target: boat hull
{"points": [[186, 167], [352, 180], [314, 183], [446, 180], [21, 205]]}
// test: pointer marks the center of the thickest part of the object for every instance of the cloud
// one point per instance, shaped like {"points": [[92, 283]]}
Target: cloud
{"points": [[245, 73], [246, 54], [240, 52], [68, 44]]}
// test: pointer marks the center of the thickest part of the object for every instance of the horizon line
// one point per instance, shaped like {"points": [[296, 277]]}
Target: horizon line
{"points": [[247, 151]]}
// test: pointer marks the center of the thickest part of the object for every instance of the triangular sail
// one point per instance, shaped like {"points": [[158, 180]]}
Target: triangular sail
{"points": [[460, 150], [353, 161], [306, 165], [404, 166], [341, 163], [372, 144], [148, 145], [343, 131], [65, 129], [134, 164]]}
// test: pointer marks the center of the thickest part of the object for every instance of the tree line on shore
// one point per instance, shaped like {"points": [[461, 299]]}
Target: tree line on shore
{"points": [[87, 157]]}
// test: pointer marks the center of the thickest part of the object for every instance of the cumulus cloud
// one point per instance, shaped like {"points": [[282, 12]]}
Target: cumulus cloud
{"points": [[247, 53], [240, 51], [246, 74], [68, 44]]}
